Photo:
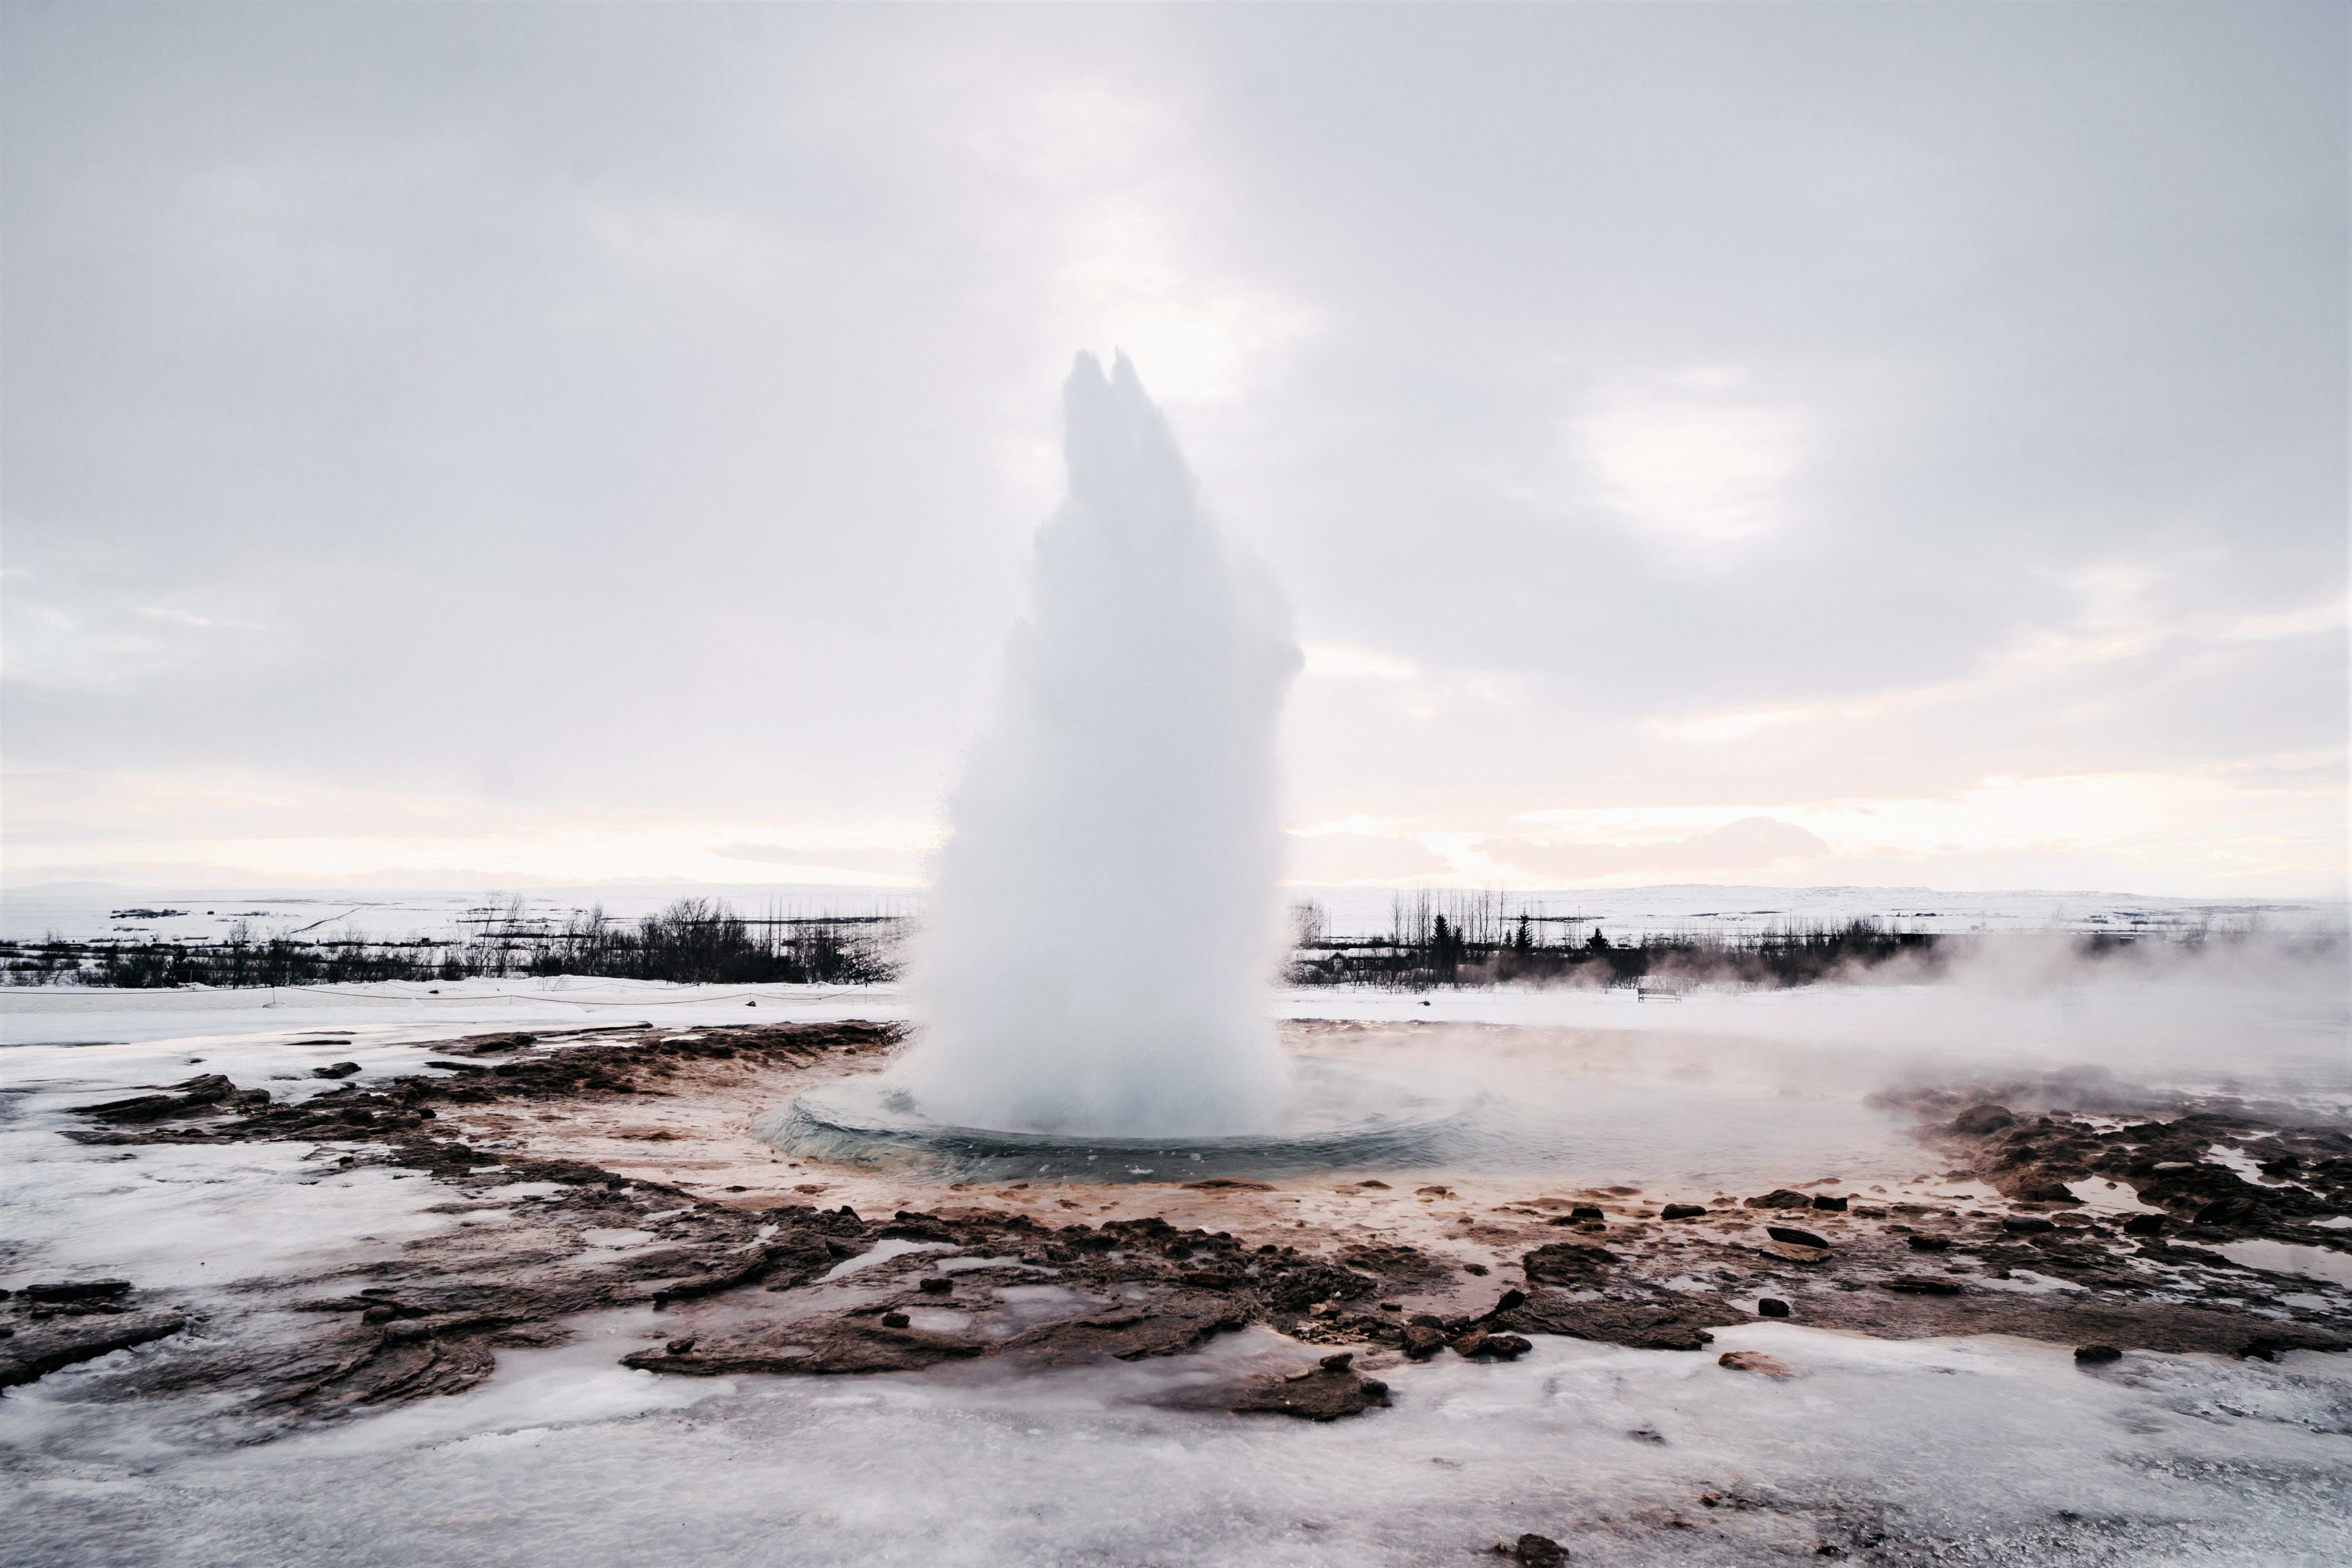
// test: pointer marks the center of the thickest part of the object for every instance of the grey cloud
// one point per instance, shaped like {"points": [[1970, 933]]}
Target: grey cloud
{"points": [[899, 862], [643, 404], [1322, 859], [1750, 843]]}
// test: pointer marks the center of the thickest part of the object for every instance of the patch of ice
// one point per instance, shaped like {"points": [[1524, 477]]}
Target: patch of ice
{"points": [[2241, 1163], [881, 1252], [2101, 1196], [939, 1321], [605, 1236], [2025, 1282], [2286, 1258]]}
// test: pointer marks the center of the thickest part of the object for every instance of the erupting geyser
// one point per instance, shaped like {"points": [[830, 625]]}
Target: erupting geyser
{"points": [[1099, 939]]}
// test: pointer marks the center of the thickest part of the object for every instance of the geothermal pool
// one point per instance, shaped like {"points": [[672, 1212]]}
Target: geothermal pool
{"points": [[1949, 1449]]}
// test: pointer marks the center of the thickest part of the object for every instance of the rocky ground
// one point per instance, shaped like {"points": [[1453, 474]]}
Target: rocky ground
{"points": [[596, 1172]]}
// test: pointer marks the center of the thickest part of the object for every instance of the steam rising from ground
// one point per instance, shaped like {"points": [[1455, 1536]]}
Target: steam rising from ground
{"points": [[1132, 746]]}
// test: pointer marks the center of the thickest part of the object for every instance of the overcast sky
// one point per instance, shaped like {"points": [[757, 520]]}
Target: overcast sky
{"points": [[1779, 444]]}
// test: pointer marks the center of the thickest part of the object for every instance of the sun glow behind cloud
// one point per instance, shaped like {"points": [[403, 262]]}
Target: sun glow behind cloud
{"points": [[1698, 457]]}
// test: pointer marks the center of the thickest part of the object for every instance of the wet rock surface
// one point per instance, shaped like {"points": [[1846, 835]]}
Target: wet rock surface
{"points": [[33, 1348], [1325, 1392], [740, 1286]]}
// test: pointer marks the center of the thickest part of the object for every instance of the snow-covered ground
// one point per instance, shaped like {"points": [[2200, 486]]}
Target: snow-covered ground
{"points": [[1966, 1451], [1986, 1450]]}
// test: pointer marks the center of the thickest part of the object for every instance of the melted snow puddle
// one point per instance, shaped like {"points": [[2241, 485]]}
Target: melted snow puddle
{"points": [[2101, 1196], [882, 1252], [2286, 1258]]}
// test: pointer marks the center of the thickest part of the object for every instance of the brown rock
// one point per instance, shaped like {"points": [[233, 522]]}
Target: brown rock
{"points": [[1422, 1342], [1566, 1262], [38, 1349], [1668, 1323], [78, 1290], [1754, 1361], [1324, 1393]]}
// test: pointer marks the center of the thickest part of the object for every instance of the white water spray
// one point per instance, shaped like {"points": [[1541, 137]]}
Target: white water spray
{"points": [[1100, 935]]}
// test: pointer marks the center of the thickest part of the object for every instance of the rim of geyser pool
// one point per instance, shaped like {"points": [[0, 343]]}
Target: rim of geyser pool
{"points": [[872, 1121]]}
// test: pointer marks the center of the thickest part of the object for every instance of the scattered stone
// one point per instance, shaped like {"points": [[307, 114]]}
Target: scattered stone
{"points": [[1381, 1186], [1781, 1198], [895, 1320], [1324, 1393], [1480, 1344], [1228, 1184], [1928, 1243], [208, 1094], [1670, 1322], [1771, 1306], [1566, 1262], [78, 1290], [2027, 1224], [1682, 1211], [1823, 1201], [335, 1070], [1923, 1285], [1979, 1119], [2047, 1193], [1756, 1360], [1536, 1552], [1478, 1269], [2093, 1355], [38, 1349], [1789, 1236], [1432, 1192], [1504, 1303], [681, 1345], [1422, 1342], [937, 1285], [2144, 1225], [1586, 1211]]}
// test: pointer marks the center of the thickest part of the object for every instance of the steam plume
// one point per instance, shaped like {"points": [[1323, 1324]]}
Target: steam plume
{"points": [[1131, 747]]}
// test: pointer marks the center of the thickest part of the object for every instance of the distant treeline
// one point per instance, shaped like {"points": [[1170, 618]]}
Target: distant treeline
{"points": [[1447, 954], [697, 940], [1439, 938]]}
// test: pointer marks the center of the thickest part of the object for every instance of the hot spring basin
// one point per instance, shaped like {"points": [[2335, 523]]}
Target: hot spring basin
{"points": [[1339, 1116], [1500, 1103]]}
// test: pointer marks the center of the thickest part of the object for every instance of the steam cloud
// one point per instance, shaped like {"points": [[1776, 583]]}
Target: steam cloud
{"points": [[1132, 746]]}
